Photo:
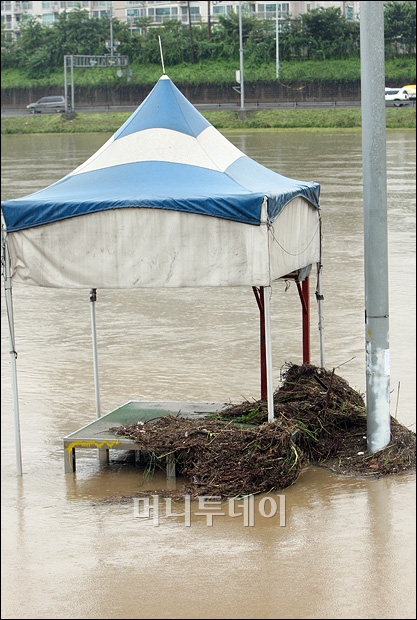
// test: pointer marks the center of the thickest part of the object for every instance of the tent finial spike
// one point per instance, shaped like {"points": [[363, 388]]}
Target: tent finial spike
{"points": [[162, 56]]}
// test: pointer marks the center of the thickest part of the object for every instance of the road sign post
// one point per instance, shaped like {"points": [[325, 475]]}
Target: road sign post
{"points": [[108, 60]]}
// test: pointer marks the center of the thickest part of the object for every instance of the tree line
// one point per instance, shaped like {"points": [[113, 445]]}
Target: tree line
{"points": [[321, 34]]}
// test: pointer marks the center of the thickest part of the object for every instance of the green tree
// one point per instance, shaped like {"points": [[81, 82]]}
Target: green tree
{"points": [[175, 44], [225, 34], [400, 28], [327, 34], [204, 47], [75, 33], [34, 48], [260, 46], [320, 34], [292, 41], [32, 36], [9, 51]]}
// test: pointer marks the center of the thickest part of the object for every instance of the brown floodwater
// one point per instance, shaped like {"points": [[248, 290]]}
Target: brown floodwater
{"points": [[327, 547]]}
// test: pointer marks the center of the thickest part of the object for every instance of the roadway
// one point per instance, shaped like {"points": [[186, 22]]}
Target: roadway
{"points": [[279, 105]]}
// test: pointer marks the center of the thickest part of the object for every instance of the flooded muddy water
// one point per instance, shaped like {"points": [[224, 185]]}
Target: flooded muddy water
{"points": [[335, 547]]}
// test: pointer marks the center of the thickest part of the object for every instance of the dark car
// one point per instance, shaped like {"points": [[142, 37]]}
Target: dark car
{"points": [[52, 104]]}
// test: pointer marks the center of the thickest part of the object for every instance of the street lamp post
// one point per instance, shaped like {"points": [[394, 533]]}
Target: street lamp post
{"points": [[277, 39], [242, 85], [111, 44]]}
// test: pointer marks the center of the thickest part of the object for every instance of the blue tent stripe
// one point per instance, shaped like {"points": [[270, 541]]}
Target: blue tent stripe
{"points": [[155, 185], [236, 194], [165, 107], [279, 189]]}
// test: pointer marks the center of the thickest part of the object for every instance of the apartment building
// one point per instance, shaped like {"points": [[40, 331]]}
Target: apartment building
{"points": [[12, 12]]}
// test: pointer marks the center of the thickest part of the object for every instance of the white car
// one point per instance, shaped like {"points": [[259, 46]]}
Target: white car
{"points": [[399, 96]]}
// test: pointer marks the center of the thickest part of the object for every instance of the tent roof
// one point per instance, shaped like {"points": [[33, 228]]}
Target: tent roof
{"points": [[165, 156]]}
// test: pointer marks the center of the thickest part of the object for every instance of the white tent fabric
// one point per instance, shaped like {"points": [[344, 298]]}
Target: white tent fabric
{"points": [[126, 248], [167, 201]]}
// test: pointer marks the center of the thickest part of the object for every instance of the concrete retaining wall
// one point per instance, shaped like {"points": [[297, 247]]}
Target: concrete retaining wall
{"points": [[134, 94]]}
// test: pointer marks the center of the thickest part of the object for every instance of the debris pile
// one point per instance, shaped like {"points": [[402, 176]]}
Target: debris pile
{"points": [[319, 420]]}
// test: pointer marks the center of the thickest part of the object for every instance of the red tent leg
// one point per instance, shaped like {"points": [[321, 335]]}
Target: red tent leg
{"points": [[306, 321], [304, 293], [259, 294]]}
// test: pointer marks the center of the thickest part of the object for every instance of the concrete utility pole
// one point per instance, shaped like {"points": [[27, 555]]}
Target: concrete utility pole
{"points": [[375, 225]]}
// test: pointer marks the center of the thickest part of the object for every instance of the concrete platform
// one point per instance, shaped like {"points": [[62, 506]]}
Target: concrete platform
{"points": [[97, 435]]}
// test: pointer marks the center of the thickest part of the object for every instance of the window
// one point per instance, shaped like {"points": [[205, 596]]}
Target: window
{"points": [[194, 14], [163, 13], [132, 14], [48, 19], [7, 20], [100, 14], [222, 10], [268, 11], [248, 8]]}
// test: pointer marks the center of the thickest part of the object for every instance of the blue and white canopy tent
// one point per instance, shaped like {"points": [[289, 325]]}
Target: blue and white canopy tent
{"points": [[167, 201]]}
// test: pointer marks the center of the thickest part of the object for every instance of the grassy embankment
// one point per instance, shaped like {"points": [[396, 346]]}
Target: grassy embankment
{"points": [[398, 71], [223, 73], [109, 122]]}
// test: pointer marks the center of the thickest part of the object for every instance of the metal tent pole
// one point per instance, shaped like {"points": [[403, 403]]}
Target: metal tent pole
{"points": [[103, 453], [320, 299], [13, 354], [93, 298], [268, 346]]}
